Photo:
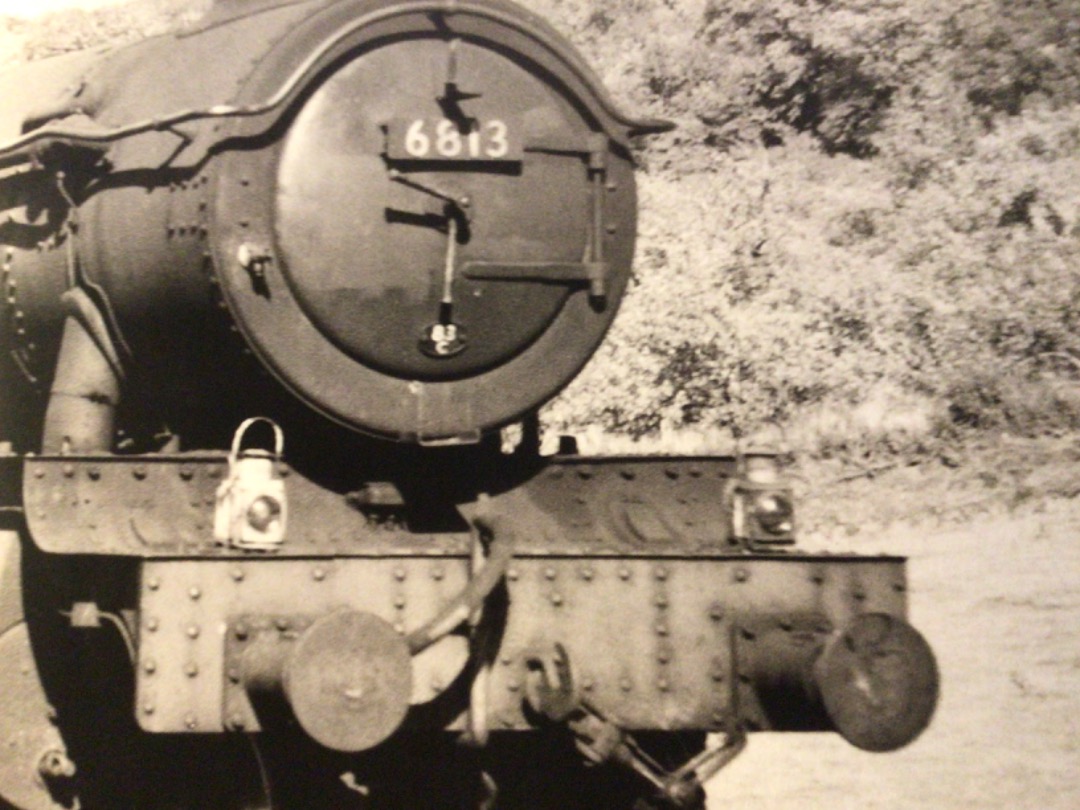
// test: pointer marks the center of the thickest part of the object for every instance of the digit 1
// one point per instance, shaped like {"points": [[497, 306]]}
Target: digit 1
{"points": [[474, 143]]}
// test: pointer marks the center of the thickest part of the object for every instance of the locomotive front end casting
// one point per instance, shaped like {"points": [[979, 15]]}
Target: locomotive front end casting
{"points": [[271, 287]]}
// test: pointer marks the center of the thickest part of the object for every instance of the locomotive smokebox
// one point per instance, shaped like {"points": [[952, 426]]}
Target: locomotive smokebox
{"points": [[419, 216], [347, 678]]}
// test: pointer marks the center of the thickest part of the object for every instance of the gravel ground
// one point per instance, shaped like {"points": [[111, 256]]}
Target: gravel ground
{"points": [[999, 600]]}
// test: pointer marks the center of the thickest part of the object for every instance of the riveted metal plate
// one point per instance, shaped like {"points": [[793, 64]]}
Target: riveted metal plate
{"points": [[653, 643], [163, 505]]}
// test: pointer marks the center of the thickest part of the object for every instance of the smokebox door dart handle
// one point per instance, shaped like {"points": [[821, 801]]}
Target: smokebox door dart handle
{"points": [[460, 201]]}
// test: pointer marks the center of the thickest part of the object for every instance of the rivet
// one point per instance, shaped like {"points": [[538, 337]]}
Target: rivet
{"points": [[695, 472], [237, 574], [513, 686], [716, 612], [625, 684], [588, 684], [817, 579], [628, 475], [281, 623], [39, 473], [718, 717], [785, 624], [399, 601], [194, 592], [741, 575], [624, 573], [399, 628], [241, 631], [508, 721], [436, 684], [661, 600], [236, 721], [193, 631], [663, 685], [549, 573], [437, 573], [612, 227], [507, 660], [513, 574], [149, 666], [318, 574], [399, 574], [139, 472], [585, 475], [234, 675], [148, 708], [190, 722], [671, 473], [663, 655], [186, 472], [191, 670], [612, 186], [153, 583], [747, 633], [556, 599], [587, 573], [899, 587], [661, 573], [662, 629], [152, 624], [69, 470], [717, 674], [859, 595], [94, 473]]}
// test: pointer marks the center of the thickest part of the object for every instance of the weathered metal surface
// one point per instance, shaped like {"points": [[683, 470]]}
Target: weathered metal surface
{"points": [[879, 682], [163, 506], [653, 643]]}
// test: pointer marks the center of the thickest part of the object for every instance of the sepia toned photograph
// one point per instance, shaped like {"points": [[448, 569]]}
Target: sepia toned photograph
{"points": [[539, 404]]}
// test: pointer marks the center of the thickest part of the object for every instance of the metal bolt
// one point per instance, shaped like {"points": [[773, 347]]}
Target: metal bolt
{"points": [[716, 612], [507, 660], [190, 723], [69, 470], [194, 592], [39, 473], [148, 708], [663, 684], [662, 629], [437, 573], [556, 598], [513, 574], [236, 721], [191, 670], [513, 686], [717, 674], [152, 624], [153, 583], [399, 601], [625, 684], [661, 573], [628, 475], [399, 628], [741, 575], [94, 472], [186, 472], [234, 675], [436, 684], [139, 472], [281, 623], [624, 573], [549, 573], [587, 573], [663, 655], [661, 601], [237, 574], [588, 684], [859, 595], [318, 574], [241, 631], [899, 587], [399, 574], [193, 631], [149, 666]]}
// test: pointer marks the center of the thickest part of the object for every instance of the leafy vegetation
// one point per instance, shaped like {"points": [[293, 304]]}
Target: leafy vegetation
{"points": [[865, 230]]}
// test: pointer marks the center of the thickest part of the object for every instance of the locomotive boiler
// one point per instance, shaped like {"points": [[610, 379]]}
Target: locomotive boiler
{"points": [[273, 286]]}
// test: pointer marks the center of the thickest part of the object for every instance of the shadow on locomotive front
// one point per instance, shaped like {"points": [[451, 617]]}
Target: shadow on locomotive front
{"points": [[272, 287]]}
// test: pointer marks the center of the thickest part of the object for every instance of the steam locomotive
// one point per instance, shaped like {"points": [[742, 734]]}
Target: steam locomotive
{"points": [[273, 289]]}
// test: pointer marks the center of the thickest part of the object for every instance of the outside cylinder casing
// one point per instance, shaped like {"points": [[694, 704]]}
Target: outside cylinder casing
{"points": [[156, 228]]}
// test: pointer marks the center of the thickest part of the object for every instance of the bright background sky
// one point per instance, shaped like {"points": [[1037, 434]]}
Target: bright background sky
{"points": [[35, 8]]}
